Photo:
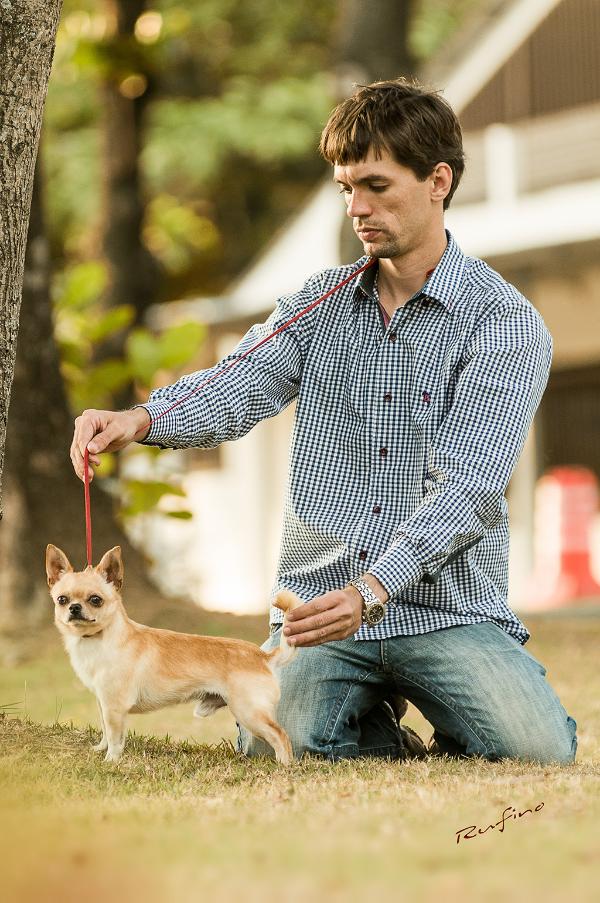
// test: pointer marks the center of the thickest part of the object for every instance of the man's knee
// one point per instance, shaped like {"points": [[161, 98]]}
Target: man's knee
{"points": [[554, 746]]}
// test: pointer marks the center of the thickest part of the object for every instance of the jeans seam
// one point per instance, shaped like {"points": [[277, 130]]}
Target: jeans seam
{"points": [[339, 707], [434, 692]]}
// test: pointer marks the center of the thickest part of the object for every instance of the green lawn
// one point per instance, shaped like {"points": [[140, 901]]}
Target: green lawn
{"points": [[180, 820]]}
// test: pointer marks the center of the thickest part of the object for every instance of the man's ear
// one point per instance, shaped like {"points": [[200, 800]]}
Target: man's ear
{"points": [[111, 567], [57, 564]]}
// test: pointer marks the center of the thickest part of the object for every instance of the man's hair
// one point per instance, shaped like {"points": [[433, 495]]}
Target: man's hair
{"points": [[416, 126]]}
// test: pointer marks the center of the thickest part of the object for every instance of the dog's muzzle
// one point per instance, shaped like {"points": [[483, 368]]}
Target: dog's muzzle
{"points": [[76, 614]]}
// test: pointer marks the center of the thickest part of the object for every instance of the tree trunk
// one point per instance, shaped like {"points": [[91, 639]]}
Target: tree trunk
{"points": [[372, 42], [134, 272], [27, 38]]}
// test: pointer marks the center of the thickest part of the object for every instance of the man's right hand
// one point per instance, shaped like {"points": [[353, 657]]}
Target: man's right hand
{"points": [[109, 430]]}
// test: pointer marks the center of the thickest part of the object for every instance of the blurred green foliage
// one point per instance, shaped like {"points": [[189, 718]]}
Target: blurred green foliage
{"points": [[81, 322], [238, 91]]}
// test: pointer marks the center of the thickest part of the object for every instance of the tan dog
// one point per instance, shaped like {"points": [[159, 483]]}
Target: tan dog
{"points": [[134, 668]]}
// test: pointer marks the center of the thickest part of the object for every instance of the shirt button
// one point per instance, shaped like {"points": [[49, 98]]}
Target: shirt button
{"points": [[426, 397], [392, 336], [376, 509], [387, 396], [425, 301], [362, 555], [383, 452]]}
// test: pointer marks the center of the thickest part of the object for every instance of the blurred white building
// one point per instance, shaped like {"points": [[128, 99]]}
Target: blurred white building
{"points": [[524, 77]]}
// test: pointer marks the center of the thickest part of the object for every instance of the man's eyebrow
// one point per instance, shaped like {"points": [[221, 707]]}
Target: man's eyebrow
{"points": [[375, 177]]}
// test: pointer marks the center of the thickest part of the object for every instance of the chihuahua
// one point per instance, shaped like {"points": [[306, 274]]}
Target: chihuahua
{"points": [[133, 668]]}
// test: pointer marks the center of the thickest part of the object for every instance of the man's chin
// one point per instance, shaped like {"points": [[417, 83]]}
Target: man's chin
{"points": [[379, 248]]}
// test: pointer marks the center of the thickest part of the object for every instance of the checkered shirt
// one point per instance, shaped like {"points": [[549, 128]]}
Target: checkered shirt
{"points": [[404, 440]]}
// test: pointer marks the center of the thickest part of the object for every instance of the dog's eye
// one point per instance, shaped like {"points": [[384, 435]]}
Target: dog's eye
{"points": [[62, 600], [95, 600]]}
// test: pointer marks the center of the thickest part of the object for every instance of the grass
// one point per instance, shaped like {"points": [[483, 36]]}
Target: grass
{"points": [[182, 820]]}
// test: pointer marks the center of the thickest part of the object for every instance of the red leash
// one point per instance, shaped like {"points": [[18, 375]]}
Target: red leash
{"points": [[88, 514]]}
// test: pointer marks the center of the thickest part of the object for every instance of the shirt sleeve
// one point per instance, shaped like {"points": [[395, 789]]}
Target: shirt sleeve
{"points": [[257, 387], [472, 456]]}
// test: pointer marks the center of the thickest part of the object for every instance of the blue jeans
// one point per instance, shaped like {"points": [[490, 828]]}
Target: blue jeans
{"points": [[484, 694]]}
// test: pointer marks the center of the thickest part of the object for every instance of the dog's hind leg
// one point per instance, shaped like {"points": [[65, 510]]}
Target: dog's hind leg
{"points": [[262, 724]]}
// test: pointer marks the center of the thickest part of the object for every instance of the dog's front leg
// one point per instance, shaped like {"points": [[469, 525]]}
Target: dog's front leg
{"points": [[100, 747], [114, 726]]}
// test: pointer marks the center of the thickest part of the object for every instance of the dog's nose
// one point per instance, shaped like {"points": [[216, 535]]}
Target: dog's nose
{"points": [[75, 608]]}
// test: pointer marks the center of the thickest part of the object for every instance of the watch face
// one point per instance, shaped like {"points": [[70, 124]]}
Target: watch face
{"points": [[375, 613]]}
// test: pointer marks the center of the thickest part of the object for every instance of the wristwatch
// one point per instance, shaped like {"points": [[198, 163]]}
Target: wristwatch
{"points": [[374, 609]]}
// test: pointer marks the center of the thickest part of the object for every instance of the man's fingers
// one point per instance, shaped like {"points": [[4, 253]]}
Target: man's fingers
{"points": [[323, 635], [101, 441], [316, 607], [87, 426], [314, 623]]}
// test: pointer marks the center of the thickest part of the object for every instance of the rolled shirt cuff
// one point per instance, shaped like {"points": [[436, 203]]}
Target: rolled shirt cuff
{"points": [[163, 426], [397, 569]]}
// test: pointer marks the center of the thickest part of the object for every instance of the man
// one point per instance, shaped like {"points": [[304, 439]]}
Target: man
{"points": [[416, 385]]}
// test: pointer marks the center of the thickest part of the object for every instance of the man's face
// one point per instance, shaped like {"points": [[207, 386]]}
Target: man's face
{"points": [[392, 212]]}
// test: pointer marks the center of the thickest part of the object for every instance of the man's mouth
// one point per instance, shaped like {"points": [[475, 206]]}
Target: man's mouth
{"points": [[367, 234]]}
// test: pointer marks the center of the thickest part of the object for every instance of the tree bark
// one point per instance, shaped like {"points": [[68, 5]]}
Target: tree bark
{"points": [[134, 272], [27, 39]]}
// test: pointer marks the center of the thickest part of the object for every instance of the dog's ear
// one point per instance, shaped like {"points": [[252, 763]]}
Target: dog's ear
{"points": [[111, 567], [57, 564]]}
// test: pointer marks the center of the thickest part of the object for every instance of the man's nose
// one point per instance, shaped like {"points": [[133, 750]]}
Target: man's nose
{"points": [[357, 205]]}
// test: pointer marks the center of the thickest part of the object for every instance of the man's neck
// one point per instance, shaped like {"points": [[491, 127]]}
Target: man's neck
{"points": [[400, 277]]}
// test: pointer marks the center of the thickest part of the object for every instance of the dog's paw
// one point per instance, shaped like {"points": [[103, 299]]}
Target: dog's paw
{"points": [[100, 747], [113, 755]]}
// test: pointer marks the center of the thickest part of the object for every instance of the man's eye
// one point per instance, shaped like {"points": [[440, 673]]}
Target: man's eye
{"points": [[378, 188], [62, 600], [344, 190], [95, 600]]}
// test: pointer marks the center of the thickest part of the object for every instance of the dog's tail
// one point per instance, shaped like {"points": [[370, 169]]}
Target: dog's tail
{"points": [[286, 601]]}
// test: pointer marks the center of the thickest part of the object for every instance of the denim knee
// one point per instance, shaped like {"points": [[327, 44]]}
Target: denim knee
{"points": [[552, 748]]}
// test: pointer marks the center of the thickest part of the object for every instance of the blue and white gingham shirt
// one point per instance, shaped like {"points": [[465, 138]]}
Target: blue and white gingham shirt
{"points": [[404, 438]]}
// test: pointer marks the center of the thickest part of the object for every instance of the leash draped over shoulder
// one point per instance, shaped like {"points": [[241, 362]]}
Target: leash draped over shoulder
{"points": [[313, 304]]}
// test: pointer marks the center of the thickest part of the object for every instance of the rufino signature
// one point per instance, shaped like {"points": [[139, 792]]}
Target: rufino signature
{"points": [[472, 831]]}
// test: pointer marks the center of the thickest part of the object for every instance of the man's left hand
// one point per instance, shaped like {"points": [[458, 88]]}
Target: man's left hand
{"points": [[334, 616]]}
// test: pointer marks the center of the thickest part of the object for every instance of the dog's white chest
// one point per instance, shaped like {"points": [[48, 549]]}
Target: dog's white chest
{"points": [[91, 661]]}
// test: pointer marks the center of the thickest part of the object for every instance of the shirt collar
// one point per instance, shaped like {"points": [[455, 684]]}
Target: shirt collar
{"points": [[442, 285]]}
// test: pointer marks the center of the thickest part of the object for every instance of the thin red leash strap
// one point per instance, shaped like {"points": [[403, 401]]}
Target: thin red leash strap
{"points": [[266, 339], [313, 304], [88, 510]]}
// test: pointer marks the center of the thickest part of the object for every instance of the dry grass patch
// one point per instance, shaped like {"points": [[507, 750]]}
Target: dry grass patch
{"points": [[181, 821]]}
